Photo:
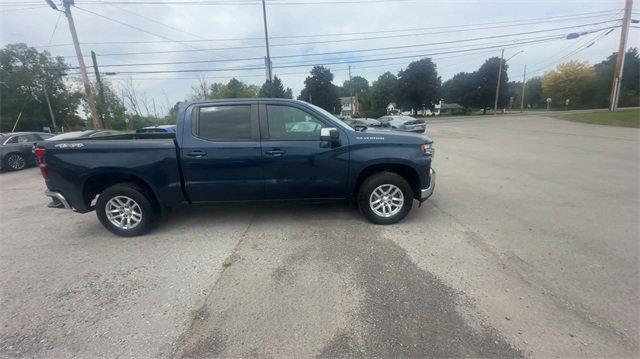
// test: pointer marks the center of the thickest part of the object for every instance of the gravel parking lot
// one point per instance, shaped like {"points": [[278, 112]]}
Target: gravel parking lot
{"points": [[529, 247]]}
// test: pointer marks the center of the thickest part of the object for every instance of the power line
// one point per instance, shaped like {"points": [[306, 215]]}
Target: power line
{"points": [[156, 22], [135, 27], [288, 65], [584, 47], [501, 44], [252, 2], [359, 60], [245, 2], [571, 47], [162, 24], [309, 54], [450, 28], [347, 40], [25, 8], [294, 73], [55, 27]]}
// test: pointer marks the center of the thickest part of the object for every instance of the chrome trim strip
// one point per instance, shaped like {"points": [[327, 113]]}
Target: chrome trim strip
{"points": [[427, 192], [59, 197]]}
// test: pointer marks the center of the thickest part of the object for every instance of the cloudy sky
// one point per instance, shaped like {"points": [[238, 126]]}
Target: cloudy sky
{"points": [[171, 43]]}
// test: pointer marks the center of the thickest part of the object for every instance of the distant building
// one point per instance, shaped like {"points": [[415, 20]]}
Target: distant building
{"points": [[443, 108], [392, 109], [348, 109]]}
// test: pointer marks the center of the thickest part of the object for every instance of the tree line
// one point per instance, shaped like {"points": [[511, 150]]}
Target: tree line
{"points": [[32, 81]]}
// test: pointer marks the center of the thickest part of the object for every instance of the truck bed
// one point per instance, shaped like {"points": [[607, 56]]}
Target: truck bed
{"points": [[80, 168]]}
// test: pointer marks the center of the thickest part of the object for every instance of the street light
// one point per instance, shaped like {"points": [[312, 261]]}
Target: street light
{"points": [[514, 55]]}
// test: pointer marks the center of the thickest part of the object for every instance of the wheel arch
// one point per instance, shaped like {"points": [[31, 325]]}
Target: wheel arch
{"points": [[97, 183], [403, 170]]}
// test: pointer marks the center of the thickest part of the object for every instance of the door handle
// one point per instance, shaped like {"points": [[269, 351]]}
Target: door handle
{"points": [[197, 153], [275, 153]]}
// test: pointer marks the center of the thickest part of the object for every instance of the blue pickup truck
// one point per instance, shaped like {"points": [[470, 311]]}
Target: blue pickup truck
{"points": [[238, 150]]}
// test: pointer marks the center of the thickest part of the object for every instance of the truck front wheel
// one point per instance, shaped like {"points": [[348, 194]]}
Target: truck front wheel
{"points": [[126, 209], [385, 198]]}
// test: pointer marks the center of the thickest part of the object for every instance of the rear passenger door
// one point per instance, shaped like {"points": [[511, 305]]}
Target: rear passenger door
{"points": [[221, 157]]}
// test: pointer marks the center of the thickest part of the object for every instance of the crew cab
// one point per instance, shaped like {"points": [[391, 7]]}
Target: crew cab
{"points": [[238, 150]]}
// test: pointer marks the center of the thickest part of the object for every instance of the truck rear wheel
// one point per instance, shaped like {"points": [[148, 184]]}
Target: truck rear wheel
{"points": [[126, 209], [385, 198]]}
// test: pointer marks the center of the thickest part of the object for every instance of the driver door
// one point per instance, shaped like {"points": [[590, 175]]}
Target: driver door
{"points": [[297, 164]]}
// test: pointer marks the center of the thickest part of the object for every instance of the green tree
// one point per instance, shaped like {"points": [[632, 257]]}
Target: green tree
{"points": [[359, 86], [533, 96], [172, 116], [462, 89], [232, 89], [514, 93], [25, 76], [113, 109], [573, 80], [419, 85], [383, 92], [275, 89], [320, 91], [238, 89], [487, 79], [630, 86]]}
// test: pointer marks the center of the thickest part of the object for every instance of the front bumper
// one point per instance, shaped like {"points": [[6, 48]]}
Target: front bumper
{"points": [[427, 192]]}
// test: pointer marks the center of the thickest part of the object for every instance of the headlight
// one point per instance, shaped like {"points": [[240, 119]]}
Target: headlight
{"points": [[427, 149]]}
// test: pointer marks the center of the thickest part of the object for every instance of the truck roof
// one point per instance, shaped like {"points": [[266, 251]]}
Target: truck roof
{"points": [[243, 100]]}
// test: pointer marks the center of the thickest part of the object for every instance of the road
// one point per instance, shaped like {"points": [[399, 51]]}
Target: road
{"points": [[529, 247]]}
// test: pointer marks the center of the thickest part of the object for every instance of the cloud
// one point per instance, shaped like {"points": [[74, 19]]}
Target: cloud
{"points": [[34, 26]]}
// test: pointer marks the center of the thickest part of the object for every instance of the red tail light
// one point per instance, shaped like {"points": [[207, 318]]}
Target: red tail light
{"points": [[40, 152]]}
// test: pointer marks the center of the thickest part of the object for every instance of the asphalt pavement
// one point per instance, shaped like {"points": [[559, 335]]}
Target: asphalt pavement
{"points": [[529, 247]]}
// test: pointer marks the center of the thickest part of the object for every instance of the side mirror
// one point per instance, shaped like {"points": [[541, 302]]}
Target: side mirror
{"points": [[331, 135]]}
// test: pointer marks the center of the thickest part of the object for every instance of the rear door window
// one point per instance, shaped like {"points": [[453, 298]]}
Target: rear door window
{"points": [[225, 123]]}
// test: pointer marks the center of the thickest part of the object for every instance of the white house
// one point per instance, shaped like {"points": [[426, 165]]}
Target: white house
{"points": [[392, 109], [347, 106], [443, 108]]}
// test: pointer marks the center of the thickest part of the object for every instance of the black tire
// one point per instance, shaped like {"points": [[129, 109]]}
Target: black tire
{"points": [[140, 196], [383, 179], [14, 161]]}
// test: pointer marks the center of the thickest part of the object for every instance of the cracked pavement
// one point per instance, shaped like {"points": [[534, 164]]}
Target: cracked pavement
{"points": [[529, 247]]}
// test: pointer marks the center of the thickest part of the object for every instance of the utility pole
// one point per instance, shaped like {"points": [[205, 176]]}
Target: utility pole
{"points": [[353, 108], [524, 84], [266, 39], [83, 69], [53, 118], [103, 104], [622, 49], [495, 104]]}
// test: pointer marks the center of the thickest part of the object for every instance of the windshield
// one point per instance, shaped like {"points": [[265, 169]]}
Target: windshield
{"points": [[334, 118]]}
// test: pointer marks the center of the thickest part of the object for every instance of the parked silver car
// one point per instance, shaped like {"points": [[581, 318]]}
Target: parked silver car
{"points": [[403, 123], [15, 149]]}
